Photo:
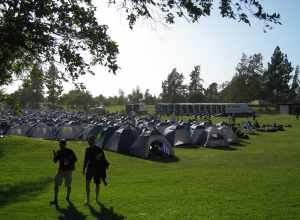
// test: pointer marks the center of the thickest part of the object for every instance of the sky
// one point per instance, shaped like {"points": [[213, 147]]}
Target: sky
{"points": [[150, 51]]}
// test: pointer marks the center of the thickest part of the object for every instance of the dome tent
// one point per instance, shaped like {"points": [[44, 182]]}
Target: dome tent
{"points": [[147, 141], [42, 130], [21, 130], [215, 138], [228, 134], [198, 134], [178, 135], [69, 132], [91, 130], [121, 140]]}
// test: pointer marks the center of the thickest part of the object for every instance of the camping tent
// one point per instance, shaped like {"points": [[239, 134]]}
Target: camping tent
{"points": [[228, 134], [145, 144], [69, 132], [215, 138], [121, 140], [42, 131], [198, 134], [19, 130], [178, 135]]}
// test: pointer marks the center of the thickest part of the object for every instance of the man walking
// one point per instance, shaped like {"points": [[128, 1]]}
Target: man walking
{"points": [[95, 165], [67, 159]]}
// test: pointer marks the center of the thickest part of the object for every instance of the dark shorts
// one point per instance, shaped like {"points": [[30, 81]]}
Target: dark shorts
{"points": [[65, 176], [93, 175]]}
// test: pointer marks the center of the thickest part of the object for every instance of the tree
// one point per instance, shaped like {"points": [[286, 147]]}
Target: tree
{"points": [[211, 93], [59, 30], [247, 83], [121, 99], [195, 87], [78, 99], [239, 10], [54, 85], [53, 31], [100, 100], [148, 98], [277, 77], [294, 91], [173, 89], [136, 96], [31, 94]]}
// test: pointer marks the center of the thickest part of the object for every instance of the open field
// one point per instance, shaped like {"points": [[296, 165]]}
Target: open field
{"points": [[258, 179], [119, 108]]}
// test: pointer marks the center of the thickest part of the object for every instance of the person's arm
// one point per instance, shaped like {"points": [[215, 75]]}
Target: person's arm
{"points": [[106, 163], [55, 156], [74, 157], [85, 161]]}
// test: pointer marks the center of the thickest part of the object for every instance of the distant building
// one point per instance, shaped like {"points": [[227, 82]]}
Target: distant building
{"points": [[289, 108], [100, 109], [136, 108], [204, 109]]}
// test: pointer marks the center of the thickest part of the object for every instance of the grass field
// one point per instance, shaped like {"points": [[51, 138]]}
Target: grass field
{"points": [[121, 108], [260, 179]]}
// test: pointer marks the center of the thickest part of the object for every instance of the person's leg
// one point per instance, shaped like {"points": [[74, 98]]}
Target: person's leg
{"points": [[97, 188], [104, 179], [97, 191], [68, 193], [57, 183], [87, 188], [68, 183], [56, 188]]}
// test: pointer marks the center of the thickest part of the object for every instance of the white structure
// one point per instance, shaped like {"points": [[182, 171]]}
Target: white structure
{"points": [[203, 108]]}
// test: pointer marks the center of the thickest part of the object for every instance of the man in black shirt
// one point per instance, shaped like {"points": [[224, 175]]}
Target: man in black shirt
{"points": [[95, 165], [67, 159]]}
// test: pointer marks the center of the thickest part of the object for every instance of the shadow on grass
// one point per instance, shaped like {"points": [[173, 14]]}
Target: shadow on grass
{"points": [[188, 146], [229, 148], [11, 193], [242, 143], [160, 159], [70, 213], [105, 213]]}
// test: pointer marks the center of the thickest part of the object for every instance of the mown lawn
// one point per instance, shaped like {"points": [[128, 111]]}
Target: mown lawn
{"points": [[260, 179]]}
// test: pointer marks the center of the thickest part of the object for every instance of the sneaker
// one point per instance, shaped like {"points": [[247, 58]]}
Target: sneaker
{"points": [[54, 202]]}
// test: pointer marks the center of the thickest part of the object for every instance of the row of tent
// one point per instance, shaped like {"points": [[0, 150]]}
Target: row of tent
{"points": [[138, 141], [141, 137]]}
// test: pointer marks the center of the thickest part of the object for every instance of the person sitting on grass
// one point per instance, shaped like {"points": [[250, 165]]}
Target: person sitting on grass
{"points": [[94, 167], [67, 160]]}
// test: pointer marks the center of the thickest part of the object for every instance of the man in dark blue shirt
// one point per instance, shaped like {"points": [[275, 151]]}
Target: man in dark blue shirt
{"points": [[94, 167], [67, 159]]}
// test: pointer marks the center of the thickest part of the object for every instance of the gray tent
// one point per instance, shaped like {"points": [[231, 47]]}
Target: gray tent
{"points": [[198, 135], [228, 134], [121, 140], [69, 132], [144, 144], [19, 130], [91, 130], [42, 131], [178, 135], [215, 138]]}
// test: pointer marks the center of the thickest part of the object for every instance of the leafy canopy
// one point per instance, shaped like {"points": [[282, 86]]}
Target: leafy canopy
{"points": [[193, 10], [53, 31], [67, 31]]}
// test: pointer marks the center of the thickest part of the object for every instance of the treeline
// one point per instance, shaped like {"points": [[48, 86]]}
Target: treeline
{"points": [[45, 89], [276, 83]]}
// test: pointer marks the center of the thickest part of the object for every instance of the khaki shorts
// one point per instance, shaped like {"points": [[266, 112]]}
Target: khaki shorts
{"points": [[63, 175]]}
